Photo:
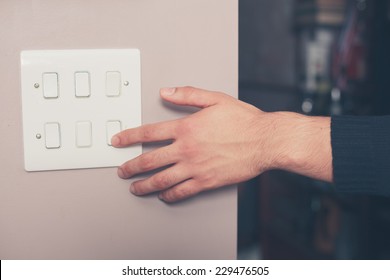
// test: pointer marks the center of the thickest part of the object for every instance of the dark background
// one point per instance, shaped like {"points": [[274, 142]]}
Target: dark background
{"points": [[286, 216]]}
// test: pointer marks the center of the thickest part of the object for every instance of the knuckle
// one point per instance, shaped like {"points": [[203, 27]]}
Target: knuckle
{"points": [[147, 133], [161, 181], [189, 89], [187, 145], [208, 182], [146, 162], [190, 92], [184, 127], [189, 150]]}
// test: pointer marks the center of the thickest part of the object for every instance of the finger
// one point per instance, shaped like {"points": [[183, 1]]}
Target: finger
{"points": [[189, 96], [149, 161], [146, 133], [160, 181], [181, 191]]}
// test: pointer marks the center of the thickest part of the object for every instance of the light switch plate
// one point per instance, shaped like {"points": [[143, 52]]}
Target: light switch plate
{"points": [[88, 115]]}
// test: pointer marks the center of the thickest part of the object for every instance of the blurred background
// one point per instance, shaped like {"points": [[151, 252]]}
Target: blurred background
{"points": [[316, 57]]}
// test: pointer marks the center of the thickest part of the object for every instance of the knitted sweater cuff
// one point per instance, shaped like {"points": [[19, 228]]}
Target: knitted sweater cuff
{"points": [[359, 148]]}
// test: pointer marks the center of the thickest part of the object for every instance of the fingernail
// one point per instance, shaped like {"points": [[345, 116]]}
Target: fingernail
{"points": [[160, 196], [132, 188], [121, 173], [115, 141], [168, 91]]}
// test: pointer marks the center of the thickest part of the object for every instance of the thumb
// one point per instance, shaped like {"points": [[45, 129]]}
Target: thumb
{"points": [[189, 96]]}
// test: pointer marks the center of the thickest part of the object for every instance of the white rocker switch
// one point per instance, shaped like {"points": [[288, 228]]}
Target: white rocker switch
{"points": [[83, 134], [113, 84], [112, 128], [52, 136], [50, 85], [82, 84]]}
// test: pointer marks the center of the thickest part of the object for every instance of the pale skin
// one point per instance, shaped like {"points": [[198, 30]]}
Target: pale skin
{"points": [[226, 142]]}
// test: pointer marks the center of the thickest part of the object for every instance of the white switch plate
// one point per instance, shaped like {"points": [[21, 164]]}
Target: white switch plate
{"points": [[68, 110]]}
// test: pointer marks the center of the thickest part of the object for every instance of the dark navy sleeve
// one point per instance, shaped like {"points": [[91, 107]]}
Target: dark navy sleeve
{"points": [[361, 154]]}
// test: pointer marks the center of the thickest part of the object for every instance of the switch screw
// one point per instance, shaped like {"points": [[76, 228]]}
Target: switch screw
{"points": [[36, 85], [126, 83], [38, 136]]}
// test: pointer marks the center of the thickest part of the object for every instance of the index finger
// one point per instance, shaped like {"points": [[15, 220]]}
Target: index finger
{"points": [[145, 134]]}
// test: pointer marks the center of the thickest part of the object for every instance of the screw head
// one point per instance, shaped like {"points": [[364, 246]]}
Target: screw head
{"points": [[36, 85], [126, 83], [38, 136]]}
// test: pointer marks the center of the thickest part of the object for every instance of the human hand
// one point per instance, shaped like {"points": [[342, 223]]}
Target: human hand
{"points": [[226, 142], [221, 144]]}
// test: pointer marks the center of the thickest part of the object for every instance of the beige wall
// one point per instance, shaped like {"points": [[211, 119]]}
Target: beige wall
{"points": [[89, 213]]}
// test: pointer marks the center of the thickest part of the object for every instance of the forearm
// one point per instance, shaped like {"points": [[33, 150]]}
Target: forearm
{"points": [[302, 144]]}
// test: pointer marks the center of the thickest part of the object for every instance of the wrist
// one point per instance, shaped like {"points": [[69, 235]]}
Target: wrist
{"points": [[301, 144]]}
